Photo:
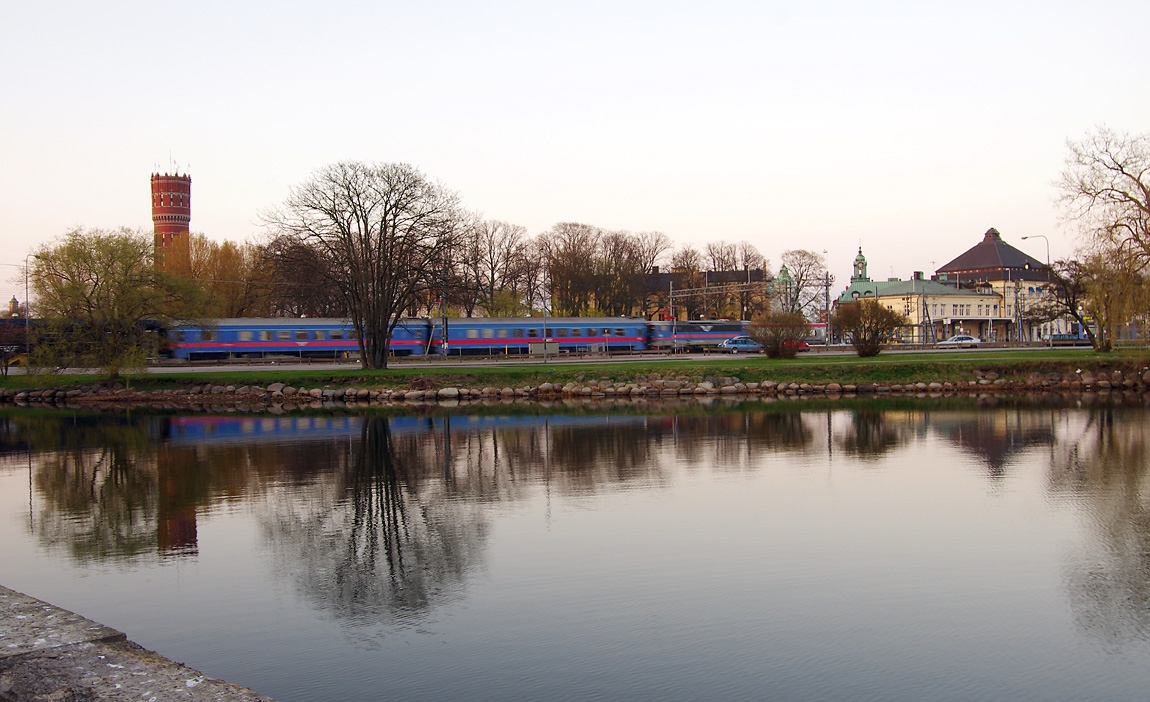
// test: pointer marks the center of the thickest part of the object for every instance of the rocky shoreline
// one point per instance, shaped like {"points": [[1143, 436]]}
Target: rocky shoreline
{"points": [[278, 397]]}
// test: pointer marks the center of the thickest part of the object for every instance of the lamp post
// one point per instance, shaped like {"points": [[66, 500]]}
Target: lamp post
{"points": [[1049, 327]]}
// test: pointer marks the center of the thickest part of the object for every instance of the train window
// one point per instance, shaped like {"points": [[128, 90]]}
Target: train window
{"points": [[320, 334], [265, 335], [620, 332], [246, 335], [301, 335], [532, 333], [561, 332], [352, 334], [517, 333], [336, 334], [488, 333], [503, 333], [283, 335], [606, 332], [208, 335], [576, 332], [472, 333]]}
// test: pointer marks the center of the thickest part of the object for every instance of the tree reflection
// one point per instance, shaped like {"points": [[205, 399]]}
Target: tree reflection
{"points": [[375, 551], [1103, 462], [872, 433], [97, 485]]}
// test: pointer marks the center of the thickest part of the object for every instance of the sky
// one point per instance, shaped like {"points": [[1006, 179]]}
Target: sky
{"points": [[906, 128]]}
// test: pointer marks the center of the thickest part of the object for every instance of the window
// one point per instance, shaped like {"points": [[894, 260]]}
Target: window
{"points": [[576, 332], [620, 332], [283, 335], [933, 310], [954, 310], [265, 335], [336, 334], [301, 335], [980, 310], [320, 334], [488, 333], [606, 332], [968, 310], [502, 333], [532, 333], [561, 332], [517, 333], [246, 335], [208, 335], [472, 333]]}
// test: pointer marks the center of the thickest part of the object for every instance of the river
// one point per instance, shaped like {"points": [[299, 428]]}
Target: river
{"points": [[867, 550]]}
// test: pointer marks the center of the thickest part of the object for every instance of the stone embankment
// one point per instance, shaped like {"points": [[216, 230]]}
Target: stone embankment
{"points": [[51, 654], [278, 396]]}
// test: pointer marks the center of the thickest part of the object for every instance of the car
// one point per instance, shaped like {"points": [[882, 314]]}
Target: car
{"points": [[740, 343], [797, 345], [960, 341]]}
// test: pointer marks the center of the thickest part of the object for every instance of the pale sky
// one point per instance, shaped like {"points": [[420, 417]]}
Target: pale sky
{"points": [[908, 127]]}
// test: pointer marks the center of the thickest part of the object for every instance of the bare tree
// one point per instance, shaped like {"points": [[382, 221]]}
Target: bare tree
{"points": [[296, 275], [1106, 189], [721, 256], [571, 250], [808, 271], [495, 252], [687, 259], [687, 263], [384, 230]]}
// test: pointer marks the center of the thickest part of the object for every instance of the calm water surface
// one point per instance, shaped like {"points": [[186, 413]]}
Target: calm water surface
{"points": [[904, 551]]}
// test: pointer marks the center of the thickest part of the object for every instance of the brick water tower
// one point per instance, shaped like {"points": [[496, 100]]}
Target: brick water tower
{"points": [[171, 217]]}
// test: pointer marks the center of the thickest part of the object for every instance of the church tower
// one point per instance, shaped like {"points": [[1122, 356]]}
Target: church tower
{"points": [[171, 219], [860, 269]]}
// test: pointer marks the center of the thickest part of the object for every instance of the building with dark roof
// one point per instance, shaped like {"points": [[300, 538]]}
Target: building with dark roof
{"points": [[992, 259], [1018, 277]]}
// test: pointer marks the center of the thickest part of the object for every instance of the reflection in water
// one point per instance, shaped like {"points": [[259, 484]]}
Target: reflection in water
{"points": [[1102, 461], [382, 519], [368, 547]]}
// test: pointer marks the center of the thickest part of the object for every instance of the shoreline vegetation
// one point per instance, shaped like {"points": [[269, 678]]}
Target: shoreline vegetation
{"points": [[301, 387]]}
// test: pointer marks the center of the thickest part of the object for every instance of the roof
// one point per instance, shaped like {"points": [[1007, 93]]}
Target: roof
{"points": [[992, 256], [897, 288]]}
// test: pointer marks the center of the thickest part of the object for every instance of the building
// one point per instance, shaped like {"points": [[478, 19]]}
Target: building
{"points": [[171, 220], [1019, 279], [936, 310]]}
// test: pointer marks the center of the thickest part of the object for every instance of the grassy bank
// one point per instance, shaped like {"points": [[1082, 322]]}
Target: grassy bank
{"points": [[808, 368]]}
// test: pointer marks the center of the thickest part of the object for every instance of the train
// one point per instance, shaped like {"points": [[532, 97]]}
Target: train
{"points": [[487, 336]]}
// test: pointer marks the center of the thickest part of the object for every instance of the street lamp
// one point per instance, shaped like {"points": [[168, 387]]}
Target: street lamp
{"points": [[1049, 327]]}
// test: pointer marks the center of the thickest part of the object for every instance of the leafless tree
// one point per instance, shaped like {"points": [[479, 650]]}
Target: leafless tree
{"points": [[1105, 187], [383, 230], [296, 275], [495, 253], [687, 259], [571, 250], [808, 272], [721, 256]]}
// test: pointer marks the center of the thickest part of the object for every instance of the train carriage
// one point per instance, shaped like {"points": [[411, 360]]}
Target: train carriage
{"points": [[526, 335], [287, 336], [695, 335]]}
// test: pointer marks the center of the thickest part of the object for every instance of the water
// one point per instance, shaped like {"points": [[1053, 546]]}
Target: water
{"points": [[871, 551]]}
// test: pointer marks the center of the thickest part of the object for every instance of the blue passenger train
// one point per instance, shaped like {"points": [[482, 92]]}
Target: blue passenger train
{"points": [[336, 338]]}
